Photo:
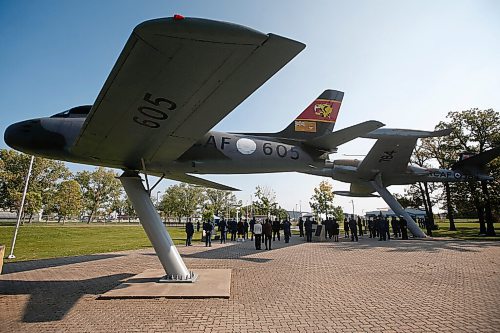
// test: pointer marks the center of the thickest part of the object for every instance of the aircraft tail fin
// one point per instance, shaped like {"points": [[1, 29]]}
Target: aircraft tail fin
{"points": [[476, 165], [314, 121], [317, 119]]}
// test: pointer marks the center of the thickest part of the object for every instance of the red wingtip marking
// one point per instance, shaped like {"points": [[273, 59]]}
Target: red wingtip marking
{"points": [[178, 17]]}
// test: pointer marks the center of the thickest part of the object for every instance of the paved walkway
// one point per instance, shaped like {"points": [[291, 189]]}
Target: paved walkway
{"points": [[395, 286]]}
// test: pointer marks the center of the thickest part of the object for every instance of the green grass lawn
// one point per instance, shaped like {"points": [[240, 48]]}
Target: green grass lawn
{"points": [[466, 229], [49, 241], [38, 241]]}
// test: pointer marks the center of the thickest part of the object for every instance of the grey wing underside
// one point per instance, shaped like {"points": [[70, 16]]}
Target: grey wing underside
{"points": [[173, 82], [187, 178], [392, 151]]}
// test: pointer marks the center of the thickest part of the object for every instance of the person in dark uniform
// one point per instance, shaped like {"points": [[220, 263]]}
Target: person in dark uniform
{"points": [[189, 232], [386, 228], [381, 229], [233, 228], [309, 230], [428, 226], [346, 228], [353, 227], [336, 230], [394, 227], [370, 227], [398, 228], [208, 227], [403, 227], [198, 226], [378, 227], [252, 223], [326, 225], [329, 228], [257, 231], [223, 231], [276, 229], [287, 230], [245, 229], [301, 227], [268, 234], [360, 226], [240, 228]]}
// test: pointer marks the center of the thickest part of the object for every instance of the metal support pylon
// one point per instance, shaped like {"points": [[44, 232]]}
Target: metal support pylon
{"points": [[175, 269], [396, 207]]}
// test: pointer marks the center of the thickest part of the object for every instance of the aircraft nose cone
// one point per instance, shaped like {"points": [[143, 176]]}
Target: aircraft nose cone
{"points": [[10, 135], [16, 135]]}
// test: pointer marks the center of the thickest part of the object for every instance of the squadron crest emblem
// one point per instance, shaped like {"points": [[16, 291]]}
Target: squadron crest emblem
{"points": [[323, 110]]}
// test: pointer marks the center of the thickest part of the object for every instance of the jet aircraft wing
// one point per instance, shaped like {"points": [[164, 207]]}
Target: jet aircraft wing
{"points": [[174, 80], [392, 151], [187, 178], [334, 139]]}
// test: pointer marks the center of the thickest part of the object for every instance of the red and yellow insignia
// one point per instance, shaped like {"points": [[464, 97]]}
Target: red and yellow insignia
{"points": [[305, 126], [323, 110]]}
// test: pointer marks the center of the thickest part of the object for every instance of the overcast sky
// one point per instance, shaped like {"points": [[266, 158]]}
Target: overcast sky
{"points": [[405, 63]]}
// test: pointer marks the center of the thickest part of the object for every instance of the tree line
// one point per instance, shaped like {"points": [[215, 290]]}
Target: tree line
{"points": [[473, 131], [55, 191]]}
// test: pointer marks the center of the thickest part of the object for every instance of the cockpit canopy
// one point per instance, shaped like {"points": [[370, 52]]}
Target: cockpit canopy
{"points": [[76, 112]]}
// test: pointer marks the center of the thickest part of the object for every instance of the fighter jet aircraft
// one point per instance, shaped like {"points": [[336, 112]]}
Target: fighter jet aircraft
{"points": [[175, 79], [388, 163]]}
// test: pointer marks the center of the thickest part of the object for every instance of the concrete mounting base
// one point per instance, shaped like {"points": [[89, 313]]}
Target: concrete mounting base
{"points": [[211, 283]]}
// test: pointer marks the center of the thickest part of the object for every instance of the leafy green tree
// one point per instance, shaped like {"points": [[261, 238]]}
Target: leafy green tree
{"points": [[421, 157], [322, 199], [45, 176], [445, 153], [128, 209], [68, 199], [32, 203], [100, 187], [182, 200], [476, 131], [404, 201], [220, 202], [338, 213], [266, 200], [207, 214], [280, 213]]}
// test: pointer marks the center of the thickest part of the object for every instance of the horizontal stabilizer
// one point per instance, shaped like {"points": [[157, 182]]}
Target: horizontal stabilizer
{"points": [[476, 164], [383, 133], [182, 177], [334, 139], [350, 194]]}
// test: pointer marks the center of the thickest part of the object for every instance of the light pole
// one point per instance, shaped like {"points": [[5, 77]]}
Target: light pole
{"points": [[13, 244], [352, 201]]}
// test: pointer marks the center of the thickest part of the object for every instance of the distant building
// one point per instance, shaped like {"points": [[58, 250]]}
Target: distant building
{"points": [[6, 215], [294, 215], [414, 212]]}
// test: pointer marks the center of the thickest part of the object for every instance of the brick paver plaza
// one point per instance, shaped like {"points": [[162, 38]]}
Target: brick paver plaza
{"points": [[395, 286]]}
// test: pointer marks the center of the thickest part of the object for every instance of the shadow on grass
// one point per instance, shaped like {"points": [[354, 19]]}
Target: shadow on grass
{"points": [[23, 266], [51, 300]]}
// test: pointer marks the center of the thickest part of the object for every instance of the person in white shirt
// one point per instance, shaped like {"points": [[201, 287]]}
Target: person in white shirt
{"points": [[257, 230]]}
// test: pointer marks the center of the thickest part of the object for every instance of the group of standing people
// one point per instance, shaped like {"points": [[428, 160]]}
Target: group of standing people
{"points": [[236, 229], [267, 231], [379, 227]]}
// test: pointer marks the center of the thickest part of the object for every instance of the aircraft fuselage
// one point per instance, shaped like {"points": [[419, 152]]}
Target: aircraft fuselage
{"points": [[216, 152]]}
